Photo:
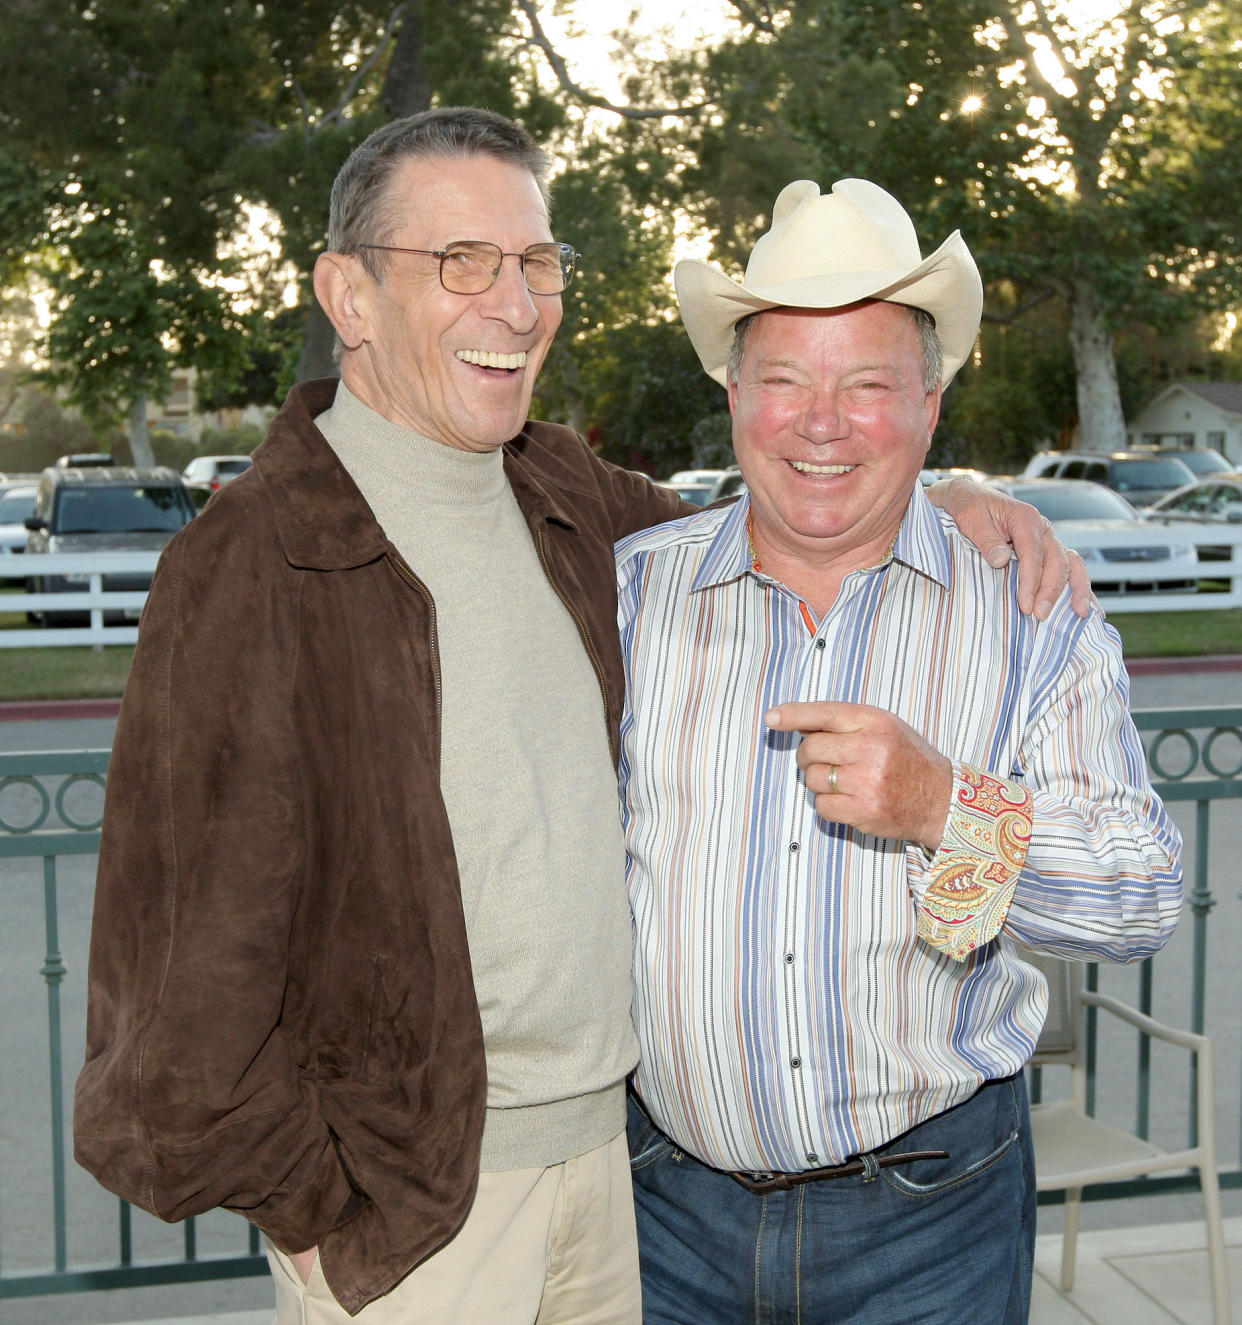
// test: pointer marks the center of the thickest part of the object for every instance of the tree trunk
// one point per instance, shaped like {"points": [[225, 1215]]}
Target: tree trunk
{"points": [[407, 89], [139, 437], [1101, 424], [316, 358]]}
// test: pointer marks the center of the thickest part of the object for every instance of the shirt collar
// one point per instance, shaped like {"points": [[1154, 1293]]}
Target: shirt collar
{"points": [[922, 544]]}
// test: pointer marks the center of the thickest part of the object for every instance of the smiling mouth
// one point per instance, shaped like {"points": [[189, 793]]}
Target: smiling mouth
{"points": [[491, 359], [804, 468]]}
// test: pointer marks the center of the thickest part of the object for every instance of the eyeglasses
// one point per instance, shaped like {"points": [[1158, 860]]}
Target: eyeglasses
{"points": [[470, 266]]}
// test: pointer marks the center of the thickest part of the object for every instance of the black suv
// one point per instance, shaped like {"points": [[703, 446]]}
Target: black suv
{"points": [[104, 509]]}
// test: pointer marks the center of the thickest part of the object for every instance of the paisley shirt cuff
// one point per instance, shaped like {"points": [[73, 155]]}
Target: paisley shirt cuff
{"points": [[969, 884]]}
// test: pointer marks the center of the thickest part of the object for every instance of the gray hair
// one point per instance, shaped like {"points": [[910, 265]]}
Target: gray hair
{"points": [[924, 324], [361, 210]]}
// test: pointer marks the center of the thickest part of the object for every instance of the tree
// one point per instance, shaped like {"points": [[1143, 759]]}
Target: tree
{"points": [[1108, 184], [156, 124]]}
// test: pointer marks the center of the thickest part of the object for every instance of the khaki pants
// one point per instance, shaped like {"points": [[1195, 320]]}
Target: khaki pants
{"points": [[549, 1246]]}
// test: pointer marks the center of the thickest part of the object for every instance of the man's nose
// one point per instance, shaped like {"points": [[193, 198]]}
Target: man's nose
{"points": [[510, 299], [823, 420]]}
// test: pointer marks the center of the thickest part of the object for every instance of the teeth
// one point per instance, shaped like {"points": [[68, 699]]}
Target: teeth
{"points": [[803, 468], [491, 359]]}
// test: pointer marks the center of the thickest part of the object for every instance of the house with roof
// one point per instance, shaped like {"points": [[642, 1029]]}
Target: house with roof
{"points": [[1192, 414]]}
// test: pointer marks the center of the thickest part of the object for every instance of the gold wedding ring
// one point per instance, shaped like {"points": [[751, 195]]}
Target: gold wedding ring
{"points": [[832, 779]]}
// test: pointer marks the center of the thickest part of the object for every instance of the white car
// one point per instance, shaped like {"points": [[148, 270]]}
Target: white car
{"points": [[15, 505], [206, 474], [694, 476], [1210, 501], [1215, 500], [1125, 553], [929, 476]]}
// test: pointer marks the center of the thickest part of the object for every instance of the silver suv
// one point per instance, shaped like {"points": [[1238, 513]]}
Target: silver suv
{"points": [[104, 509]]}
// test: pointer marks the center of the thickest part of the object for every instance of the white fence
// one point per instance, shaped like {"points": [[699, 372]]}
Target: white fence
{"points": [[1224, 539], [125, 604]]}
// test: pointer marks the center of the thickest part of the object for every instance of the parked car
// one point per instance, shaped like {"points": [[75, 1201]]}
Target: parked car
{"points": [[1141, 477], [729, 484], [83, 459], [708, 476], [1125, 553], [929, 476], [1206, 501], [1202, 461], [104, 509], [1210, 501], [15, 506], [697, 493], [206, 474]]}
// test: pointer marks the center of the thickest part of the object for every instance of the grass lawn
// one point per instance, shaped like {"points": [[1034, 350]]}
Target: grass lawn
{"points": [[1179, 634], [85, 673]]}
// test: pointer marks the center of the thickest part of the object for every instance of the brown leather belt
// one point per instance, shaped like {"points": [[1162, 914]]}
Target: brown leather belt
{"points": [[868, 1165]]}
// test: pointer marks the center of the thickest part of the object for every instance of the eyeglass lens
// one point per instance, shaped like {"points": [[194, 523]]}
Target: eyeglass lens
{"points": [[471, 266]]}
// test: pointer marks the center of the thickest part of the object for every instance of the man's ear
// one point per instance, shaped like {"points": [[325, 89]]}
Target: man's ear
{"points": [[931, 412], [340, 283]]}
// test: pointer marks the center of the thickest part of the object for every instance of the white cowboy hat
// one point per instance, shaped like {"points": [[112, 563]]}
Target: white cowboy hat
{"points": [[827, 251]]}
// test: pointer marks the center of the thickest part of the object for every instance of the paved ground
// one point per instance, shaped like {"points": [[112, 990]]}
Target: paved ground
{"points": [[1156, 1275]]}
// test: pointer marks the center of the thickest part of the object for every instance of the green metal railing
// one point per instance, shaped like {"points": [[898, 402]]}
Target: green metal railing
{"points": [[46, 819], [1195, 757], [50, 813]]}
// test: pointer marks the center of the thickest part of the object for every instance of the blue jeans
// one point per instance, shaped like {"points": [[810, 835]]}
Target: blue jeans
{"points": [[937, 1240]]}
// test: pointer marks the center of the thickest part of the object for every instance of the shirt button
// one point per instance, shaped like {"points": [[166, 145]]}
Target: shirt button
{"points": [[819, 643], [793, 846], [795, 1063], [812, 1157], [789, 959]]}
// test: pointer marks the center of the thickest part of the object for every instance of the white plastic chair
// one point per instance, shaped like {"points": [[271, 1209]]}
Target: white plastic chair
{"points": [[1074, 1150]]}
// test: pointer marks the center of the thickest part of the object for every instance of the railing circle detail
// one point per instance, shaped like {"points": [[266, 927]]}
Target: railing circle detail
{"points": [[1153, 755], [1233, 772], [26, 780], [73, 780]]}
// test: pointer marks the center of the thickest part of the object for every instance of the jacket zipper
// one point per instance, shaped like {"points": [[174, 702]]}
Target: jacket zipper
{"points": [[408, 574], [586, 639]]}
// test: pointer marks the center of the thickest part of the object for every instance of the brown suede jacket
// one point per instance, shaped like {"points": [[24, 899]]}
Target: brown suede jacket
{"points": [[281, 1015]]}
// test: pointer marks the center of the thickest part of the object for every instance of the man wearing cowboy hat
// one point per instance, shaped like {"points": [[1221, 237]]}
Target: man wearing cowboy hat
{"points": [[854, 775]]}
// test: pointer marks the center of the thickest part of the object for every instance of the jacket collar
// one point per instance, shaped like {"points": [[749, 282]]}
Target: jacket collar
{"points": [[324, 522]]}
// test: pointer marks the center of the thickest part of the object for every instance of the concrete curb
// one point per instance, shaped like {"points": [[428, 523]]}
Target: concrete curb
{"points": [[1225, 662], [33, 710]]}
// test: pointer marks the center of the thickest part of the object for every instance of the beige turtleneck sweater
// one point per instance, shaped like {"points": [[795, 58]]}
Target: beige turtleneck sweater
{"points": [[529, 786]]}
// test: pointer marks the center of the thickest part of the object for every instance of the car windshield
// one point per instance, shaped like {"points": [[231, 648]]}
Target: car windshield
{"points": [[117, 509], [232, 466], [16, 506], [1064, 500], [1143, 475], [1205, 462]]}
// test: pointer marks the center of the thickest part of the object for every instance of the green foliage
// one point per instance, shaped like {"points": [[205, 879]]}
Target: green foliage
{"points": [[711, 441], [176, 451], [43, 432], [123, 319], [646, 395], [263, 371], [135, 134]]}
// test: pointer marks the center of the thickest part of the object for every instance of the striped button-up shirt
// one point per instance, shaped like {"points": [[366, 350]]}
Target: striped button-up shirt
{"points": [[789, 1015]]}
